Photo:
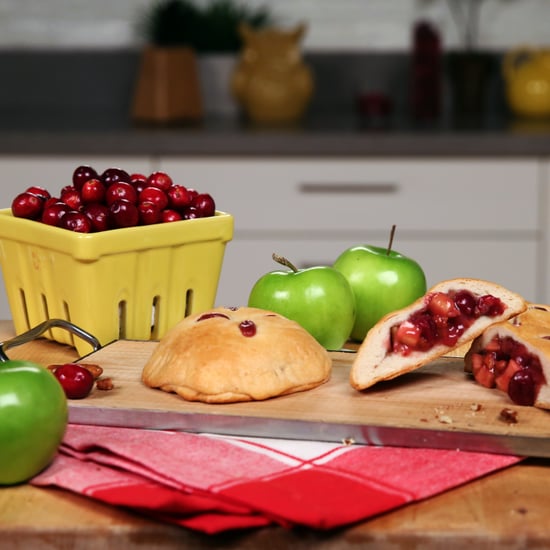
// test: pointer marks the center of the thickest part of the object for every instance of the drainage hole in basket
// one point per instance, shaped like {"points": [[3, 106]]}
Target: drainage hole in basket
{"points": [[155, 309], [24, 307], [122, 320], [188, 302]]}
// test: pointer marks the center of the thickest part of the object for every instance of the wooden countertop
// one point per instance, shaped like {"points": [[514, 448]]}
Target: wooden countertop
{"points": [[507, 509]]}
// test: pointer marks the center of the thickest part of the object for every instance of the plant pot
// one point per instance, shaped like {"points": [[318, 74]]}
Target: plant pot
{"points": [[167, 88]]}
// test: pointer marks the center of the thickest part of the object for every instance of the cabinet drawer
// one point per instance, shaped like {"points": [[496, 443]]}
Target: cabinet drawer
{"points": [[246, 261], [331, 195]]}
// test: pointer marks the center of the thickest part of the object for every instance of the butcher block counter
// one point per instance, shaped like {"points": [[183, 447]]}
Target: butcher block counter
{"points": [[508, 509]]}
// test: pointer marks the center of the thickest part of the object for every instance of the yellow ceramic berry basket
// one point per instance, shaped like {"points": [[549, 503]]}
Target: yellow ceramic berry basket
{"points": [[132, 283]]}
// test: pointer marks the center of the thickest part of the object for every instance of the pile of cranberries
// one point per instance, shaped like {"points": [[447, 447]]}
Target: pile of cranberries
{"points": [[507, 365], [113, 199], [445, 317]]}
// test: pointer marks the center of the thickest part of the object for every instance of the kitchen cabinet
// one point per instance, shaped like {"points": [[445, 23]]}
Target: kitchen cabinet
{"points": [[474, 217], [457, 217]]}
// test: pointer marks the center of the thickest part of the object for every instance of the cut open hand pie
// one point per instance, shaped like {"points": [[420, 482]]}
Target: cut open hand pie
{"points": [[449, 315]]}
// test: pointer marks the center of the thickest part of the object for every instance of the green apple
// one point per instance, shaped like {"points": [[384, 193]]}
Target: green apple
{"points": [[319, 298], [382, 280], [33, 419]]}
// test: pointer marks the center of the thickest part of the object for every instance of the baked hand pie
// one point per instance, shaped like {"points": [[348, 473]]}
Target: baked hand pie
{"points": [[450, 314], [226, 355], [514, 357]]}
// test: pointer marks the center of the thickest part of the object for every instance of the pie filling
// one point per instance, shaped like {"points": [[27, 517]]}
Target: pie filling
{"points": [[443, 319], [507, 365]]}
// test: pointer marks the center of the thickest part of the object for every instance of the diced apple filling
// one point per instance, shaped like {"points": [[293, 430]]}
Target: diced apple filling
{"points": [[507, 365], [445, 317]]}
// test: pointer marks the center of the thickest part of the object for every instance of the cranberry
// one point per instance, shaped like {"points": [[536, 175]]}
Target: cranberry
{"points": [[112, 175], [248, 328], [76, 381], [521, 388], [124, 213], [82, 174], [27, 205], [76, 221], [211, 315], [92, 191], [170, 216], [205, 205], [154, 194], [179, 197], [139, 181], [149, 213], [71, 197], [161, 180], [100, 216], [120, 190], [53, 213], [465, 302], [191, 213], [40, 192], [490, 306]]}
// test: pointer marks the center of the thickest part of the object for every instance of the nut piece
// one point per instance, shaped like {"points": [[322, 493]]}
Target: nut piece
{"points": [[95, 370], [510, 416], [105, 384]]}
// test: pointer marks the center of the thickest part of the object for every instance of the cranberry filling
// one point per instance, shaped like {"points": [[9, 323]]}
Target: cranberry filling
{"points": [[248, 328], [510, 367], [211, 315], [445, 317]]}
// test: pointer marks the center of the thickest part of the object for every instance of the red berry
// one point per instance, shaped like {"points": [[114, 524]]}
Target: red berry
{"points": [[99, 215], [179, 197], [120, 190], [92, 191], [156, 195], [82, 174], [71, 197], [76, 221], [205, 205], [139, 181], [76, 381], [112, 175], [170, 216], [53, 213], [149, 213], [124, 213], [27, 205], [40, 192], [160, 179]]}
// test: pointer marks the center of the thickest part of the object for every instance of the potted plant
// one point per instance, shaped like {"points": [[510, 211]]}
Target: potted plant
{"points": [[211, 32], [168, 88]]}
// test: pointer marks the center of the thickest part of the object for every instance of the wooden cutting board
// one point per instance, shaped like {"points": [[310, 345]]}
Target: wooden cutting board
{"points": [[436, 406]]}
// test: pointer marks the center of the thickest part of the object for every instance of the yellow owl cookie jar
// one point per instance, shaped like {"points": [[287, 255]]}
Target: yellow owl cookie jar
{"points": [[527, 74], [271, 82]]}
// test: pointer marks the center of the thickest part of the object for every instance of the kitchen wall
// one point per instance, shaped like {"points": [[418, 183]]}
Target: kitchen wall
{"points": [[333, 25]]}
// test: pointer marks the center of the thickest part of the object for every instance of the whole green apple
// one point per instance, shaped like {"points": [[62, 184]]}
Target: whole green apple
{"points": [[382, 280], [33, 419], [320, 299]]}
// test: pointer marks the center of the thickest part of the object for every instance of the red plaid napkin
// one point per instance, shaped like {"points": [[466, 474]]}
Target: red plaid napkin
{"points": [[214, 483]]}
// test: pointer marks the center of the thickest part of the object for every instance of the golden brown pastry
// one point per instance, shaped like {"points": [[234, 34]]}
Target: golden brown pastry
{"points": [[226, 355], [450, 314], [514, 356]]}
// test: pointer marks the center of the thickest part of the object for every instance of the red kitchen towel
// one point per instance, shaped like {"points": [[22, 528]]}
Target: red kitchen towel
{"points": [[215, 483]]}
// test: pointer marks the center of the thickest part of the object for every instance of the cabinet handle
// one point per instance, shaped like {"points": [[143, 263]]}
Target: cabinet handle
{"points": [[348, 188]]}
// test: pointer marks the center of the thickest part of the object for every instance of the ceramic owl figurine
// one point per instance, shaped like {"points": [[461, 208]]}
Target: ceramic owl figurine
{"points": [[271, 82]]}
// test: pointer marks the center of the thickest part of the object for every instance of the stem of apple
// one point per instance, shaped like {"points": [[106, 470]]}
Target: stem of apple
{"points": [[390, 244], [283, 261]]}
